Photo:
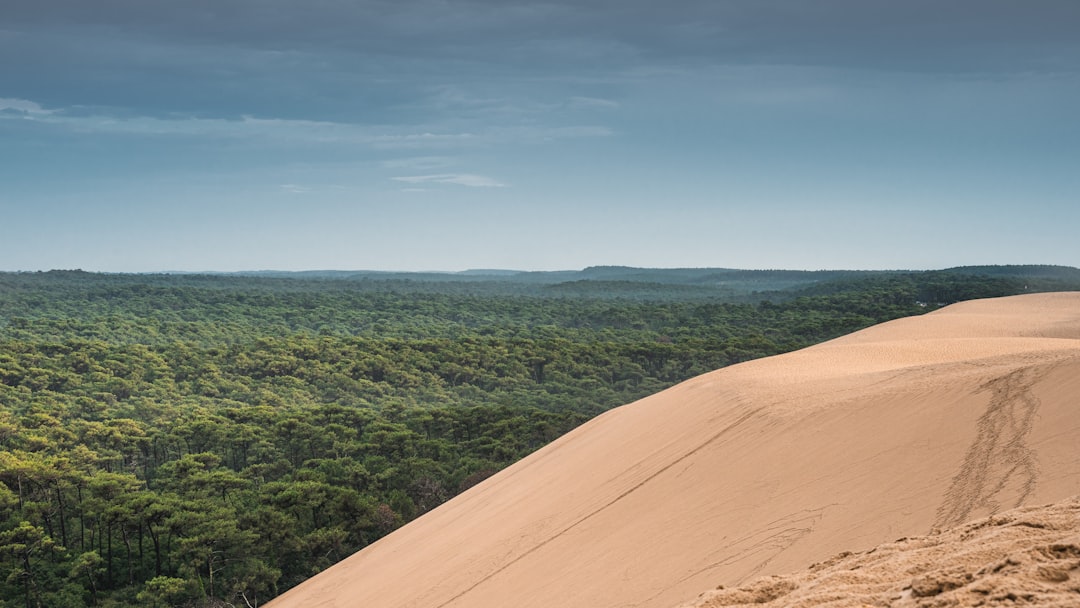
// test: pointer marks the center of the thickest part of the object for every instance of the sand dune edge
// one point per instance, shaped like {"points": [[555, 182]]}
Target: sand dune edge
{"points": [[757, 469], [1028, 556]]}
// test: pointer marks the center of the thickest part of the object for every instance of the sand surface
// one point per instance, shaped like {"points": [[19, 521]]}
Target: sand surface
{"points": [[1028, 556], [762, 468]]}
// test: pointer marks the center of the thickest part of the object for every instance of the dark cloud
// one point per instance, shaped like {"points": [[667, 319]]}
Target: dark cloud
{"points": [[836, 32], [331, 58]]}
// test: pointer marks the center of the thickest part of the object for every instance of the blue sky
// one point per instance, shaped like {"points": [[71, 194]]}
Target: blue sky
{"points": [[142, 135]]}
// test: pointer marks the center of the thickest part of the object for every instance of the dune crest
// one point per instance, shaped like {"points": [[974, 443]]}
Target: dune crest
{"points": [[760, 468]]}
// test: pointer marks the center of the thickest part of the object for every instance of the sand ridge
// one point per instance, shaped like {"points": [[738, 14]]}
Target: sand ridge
{"points": [[757, 469]]}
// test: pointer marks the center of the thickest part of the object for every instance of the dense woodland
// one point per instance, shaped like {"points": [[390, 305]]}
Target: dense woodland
{"points": [[211, 440]]}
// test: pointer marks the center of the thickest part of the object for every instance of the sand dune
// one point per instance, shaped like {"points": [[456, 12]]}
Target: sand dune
{"points": [[762, 468], [1028, 556]]}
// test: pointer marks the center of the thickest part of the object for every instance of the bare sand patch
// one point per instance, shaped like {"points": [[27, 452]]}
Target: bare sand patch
{"points": [[1028, 556]]}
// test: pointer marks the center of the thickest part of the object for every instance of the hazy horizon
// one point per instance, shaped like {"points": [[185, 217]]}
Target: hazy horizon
{"points": [[237, 135], [489, 270]]}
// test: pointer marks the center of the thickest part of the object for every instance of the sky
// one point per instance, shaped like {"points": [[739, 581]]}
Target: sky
{"points": [[150, 135]]}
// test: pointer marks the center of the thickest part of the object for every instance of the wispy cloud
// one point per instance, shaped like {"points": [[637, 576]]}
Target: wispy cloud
{"points": [[592, 103], [462, 179], [419, 163], [100, 121], [294, 188], [21, 108]]}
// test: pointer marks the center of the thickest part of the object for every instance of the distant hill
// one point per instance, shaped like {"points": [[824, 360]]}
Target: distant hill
{"points": [[649, 283], [1062, 273]]}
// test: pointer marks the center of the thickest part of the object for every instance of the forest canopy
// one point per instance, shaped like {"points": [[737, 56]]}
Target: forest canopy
{"points": [[186, 440]]}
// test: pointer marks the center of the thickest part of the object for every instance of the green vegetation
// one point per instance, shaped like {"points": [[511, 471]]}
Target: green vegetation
{"points": [[172, 440]]}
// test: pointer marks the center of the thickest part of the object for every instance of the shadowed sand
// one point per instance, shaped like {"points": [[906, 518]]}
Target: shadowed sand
{"points": [[760, 468]]}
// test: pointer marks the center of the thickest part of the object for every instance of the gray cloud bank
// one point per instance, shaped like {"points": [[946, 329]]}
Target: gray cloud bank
{"points": [[914, 34], [323, 59]]}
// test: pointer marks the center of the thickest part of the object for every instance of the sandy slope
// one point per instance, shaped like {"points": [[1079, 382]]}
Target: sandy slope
{"points": [[1028, 556], [756, 469]]}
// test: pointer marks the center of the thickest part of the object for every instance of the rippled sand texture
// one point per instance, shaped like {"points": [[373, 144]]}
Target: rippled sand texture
{"points": [[1028, 556]]}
